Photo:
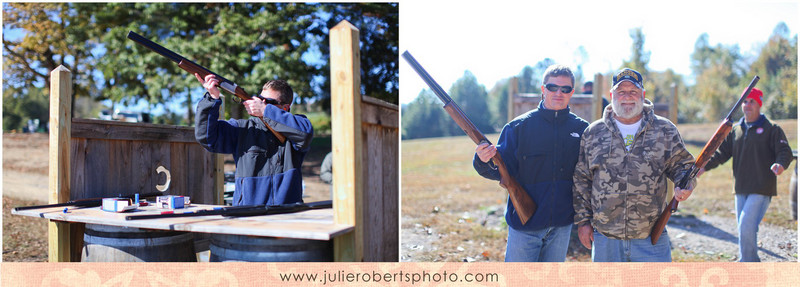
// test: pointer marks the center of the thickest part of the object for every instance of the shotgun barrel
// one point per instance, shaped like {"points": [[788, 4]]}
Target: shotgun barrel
{"points": [[240, 211]]}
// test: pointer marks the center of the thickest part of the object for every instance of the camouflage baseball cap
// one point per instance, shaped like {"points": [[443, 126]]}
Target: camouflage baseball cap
{"points": [[627, 74]]}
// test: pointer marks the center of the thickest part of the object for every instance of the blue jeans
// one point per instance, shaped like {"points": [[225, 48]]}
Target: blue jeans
{"points": [[544, 245], [606, 249], [750, 209]]}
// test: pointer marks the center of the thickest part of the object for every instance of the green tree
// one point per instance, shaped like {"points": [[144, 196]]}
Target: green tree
{"points": [[379, 35], [424, 117], [777, 67], [719, 71], [538, 75], [527, 81], [580, 56], [56, 35], [249, 43], [639, 57], [498, 103], [471, 97], [21, 105]]}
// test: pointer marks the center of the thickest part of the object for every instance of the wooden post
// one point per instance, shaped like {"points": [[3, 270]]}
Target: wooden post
{"points": [[597, 97], [219, 179], [346, 139], [219, 170], [673, 117], [59, 167], [512, 92], [673, 107]]}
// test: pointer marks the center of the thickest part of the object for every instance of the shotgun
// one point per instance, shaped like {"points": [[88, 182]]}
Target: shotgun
{"points": [[89, 202], [522, 202], [701, 161], [240, 211], [192, 68]]}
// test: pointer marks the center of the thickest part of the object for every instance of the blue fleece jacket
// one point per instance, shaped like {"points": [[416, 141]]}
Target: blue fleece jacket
{"points": [[267, 172], [540, 149]]}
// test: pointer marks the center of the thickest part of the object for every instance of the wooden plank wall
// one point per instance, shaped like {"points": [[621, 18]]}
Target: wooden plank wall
{"points": [[116, 158], [380, 132]]}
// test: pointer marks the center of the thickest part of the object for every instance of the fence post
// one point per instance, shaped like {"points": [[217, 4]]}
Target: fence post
{"points": [[673, 107], [512, 92], [597, 97], [59, 168], [346, 140]]}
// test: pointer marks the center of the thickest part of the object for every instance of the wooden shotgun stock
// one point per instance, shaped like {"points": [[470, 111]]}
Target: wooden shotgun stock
{"points": [[522, 202], [194, 68], [716, 140]]}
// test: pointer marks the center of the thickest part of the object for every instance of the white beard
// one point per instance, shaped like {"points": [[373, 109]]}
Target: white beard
{"points": [[627, 112]]}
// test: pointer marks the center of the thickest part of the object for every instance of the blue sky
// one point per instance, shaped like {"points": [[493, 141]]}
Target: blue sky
{"points": [[497, 39]]}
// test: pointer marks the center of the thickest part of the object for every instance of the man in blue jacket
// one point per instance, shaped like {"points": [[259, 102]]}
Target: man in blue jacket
{"points": [[540, 149], [267, 172]]}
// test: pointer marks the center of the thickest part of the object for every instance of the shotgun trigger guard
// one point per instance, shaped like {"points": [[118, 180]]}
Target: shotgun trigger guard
{"points": [[165, 186]]}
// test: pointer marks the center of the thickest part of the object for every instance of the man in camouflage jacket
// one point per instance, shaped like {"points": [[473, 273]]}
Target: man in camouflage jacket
{"points": [[621, 176]]}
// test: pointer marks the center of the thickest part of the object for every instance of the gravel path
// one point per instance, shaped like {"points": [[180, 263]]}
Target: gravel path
{"points": [[704, 238], [715, 238]]}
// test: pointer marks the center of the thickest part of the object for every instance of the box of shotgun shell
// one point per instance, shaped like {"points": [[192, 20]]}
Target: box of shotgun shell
{"points": [[172, 201], [116, 204]]}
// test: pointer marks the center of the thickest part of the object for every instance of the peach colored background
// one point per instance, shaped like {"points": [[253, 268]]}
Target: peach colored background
{"points": [[510, 274]]}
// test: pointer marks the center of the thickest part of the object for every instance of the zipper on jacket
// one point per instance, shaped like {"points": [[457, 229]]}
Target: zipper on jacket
{"points": [[744, 139]]}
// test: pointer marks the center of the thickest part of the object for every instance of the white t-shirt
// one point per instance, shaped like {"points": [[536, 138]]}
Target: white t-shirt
{"points": [[628, 132]]}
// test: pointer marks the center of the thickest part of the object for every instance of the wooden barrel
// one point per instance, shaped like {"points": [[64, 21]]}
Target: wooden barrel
{"points": [[105, 243], [226, 247]]}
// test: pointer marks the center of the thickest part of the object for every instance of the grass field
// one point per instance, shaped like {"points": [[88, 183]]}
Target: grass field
{"points": [[443, 196]]}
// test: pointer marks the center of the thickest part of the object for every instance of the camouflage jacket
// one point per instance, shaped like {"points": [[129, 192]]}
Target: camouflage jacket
{"points": [[621, 193]]}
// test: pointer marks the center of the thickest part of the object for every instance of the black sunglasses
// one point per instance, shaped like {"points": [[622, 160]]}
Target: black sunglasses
{"points": [[554, 88], [269, 101], [272, 101]]}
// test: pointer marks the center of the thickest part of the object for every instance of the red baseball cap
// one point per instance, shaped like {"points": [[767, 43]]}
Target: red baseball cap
{"points": [[756, 95]]}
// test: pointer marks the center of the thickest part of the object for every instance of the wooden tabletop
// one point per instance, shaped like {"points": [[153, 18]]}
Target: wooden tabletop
{"points": [[312, 224]]}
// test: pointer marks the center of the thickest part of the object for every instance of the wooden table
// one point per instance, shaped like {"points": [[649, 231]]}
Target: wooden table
{"points": [[312, 224]]}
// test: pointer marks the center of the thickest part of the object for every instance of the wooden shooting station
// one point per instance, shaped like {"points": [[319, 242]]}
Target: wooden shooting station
{"points": [[94, 158]]}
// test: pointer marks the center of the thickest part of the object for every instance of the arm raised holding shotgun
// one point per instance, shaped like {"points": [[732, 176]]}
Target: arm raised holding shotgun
{"points": [[202, 73], [268, 148]]}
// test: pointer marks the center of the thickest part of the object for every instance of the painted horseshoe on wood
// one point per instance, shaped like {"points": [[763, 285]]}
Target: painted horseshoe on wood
{"points": [[165, 186]]}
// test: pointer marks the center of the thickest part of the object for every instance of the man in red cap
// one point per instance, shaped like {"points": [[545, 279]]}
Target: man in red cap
{"points": [[760, 153]]}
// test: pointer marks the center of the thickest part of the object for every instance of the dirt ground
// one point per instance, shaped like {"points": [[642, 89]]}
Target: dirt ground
{"points": [[25, 182]]}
